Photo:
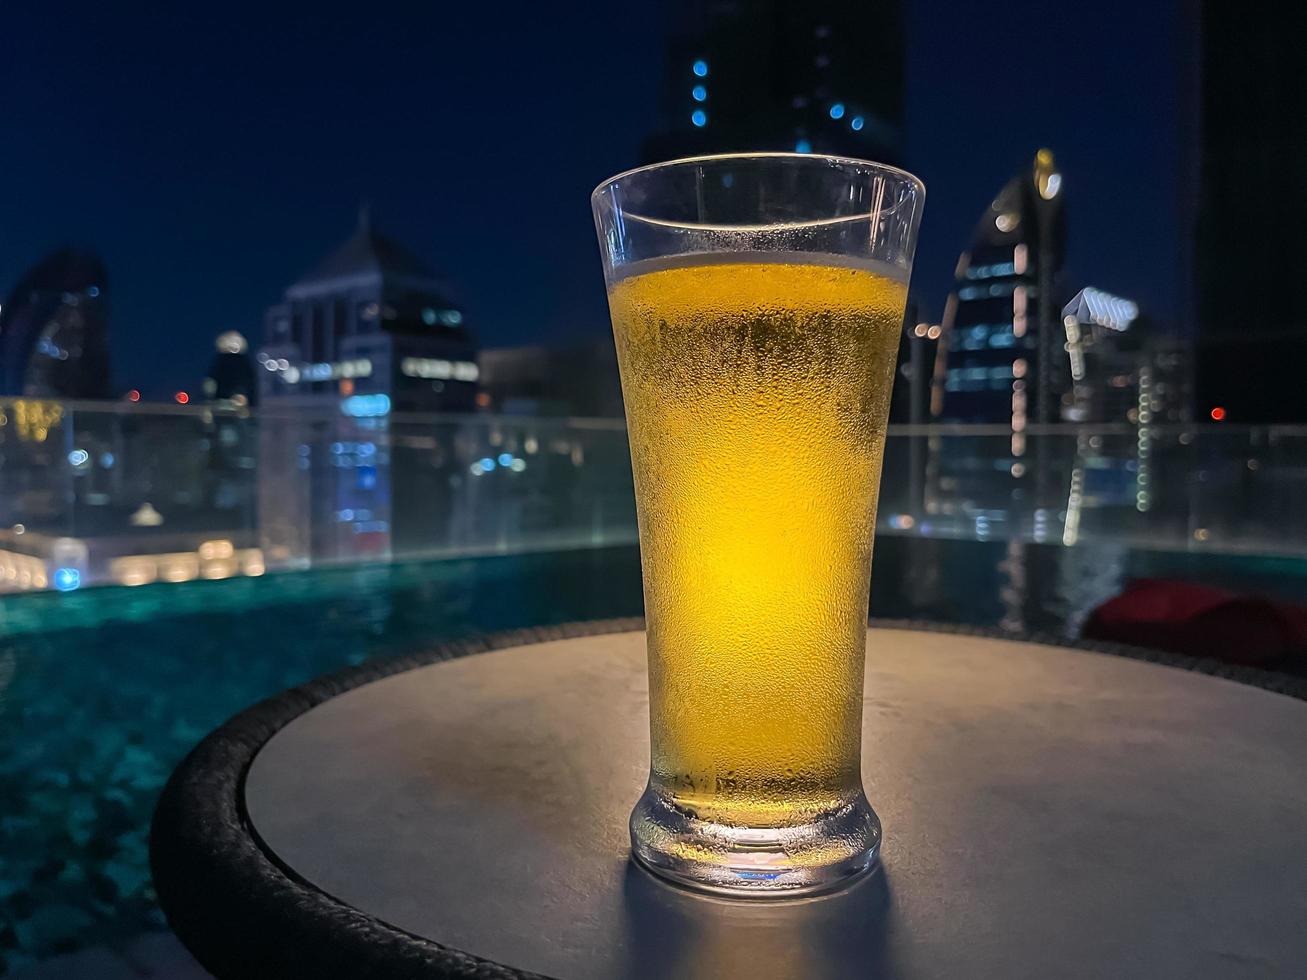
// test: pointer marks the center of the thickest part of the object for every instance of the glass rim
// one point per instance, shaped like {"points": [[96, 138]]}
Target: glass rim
{"points": [[917, 183]]}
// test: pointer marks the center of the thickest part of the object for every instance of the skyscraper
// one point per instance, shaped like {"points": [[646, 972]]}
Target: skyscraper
{"points": [[1248, 205], [1001, 355], [371, 320], [1104, 355], [231, 379], [825, 76], [54, 329], [369, 332]]}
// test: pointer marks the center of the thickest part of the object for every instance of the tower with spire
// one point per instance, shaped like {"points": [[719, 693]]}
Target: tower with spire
{"points": [[369, 332], [365, 321]]}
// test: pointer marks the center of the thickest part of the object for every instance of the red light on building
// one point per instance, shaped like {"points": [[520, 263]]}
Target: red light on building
{"points": [[483, 399], [133, 395], [181, 398], [1218, 414]]}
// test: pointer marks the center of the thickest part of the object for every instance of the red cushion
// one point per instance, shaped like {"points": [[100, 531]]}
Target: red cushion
{"points": [[1203, 622]]}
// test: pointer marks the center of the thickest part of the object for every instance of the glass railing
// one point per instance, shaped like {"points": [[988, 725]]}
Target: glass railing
{"points": [[95, 493], [1200, 488]]}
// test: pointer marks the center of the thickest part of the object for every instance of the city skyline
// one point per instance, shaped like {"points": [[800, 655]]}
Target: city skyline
{"points": [[206, 195]]}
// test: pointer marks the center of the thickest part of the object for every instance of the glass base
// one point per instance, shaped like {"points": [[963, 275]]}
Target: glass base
{"points": [[826, 853]]}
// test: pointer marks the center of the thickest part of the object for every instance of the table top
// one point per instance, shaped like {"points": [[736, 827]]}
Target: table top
{"points": [[1047, 812]]}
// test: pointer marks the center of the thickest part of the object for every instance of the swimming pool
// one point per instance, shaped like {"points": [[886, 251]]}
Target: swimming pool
{"points": [[103, 691]]}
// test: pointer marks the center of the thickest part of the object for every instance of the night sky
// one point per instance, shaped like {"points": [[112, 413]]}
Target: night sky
{"points": [[214, 155]]}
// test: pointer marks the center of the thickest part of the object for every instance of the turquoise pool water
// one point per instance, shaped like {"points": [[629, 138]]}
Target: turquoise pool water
{"points": [[103, 691]]}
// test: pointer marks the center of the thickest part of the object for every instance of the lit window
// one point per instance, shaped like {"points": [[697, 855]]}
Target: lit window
{"points": [[699, 118], [856, 124], [700, 93], [701, 68], [837, 110]]}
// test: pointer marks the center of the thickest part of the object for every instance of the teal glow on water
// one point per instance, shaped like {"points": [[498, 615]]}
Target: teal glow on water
{"points": [[103, 691]]}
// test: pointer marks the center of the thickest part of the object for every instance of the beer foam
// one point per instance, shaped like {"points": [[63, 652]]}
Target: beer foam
{"points": [[875, 267]]}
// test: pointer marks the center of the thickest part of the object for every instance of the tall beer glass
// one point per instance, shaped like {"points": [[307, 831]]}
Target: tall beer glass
{"points": [[757, 303]]}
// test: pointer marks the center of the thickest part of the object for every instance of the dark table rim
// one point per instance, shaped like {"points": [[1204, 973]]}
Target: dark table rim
{"points": [[243, 913]]}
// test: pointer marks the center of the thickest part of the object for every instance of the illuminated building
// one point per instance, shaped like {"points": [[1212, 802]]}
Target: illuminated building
{"points": [[370, 309], [1001, 357], [1111, 384], [824, 76], [370, 333], [1103, 357], [1120, 374], [54, 329], [230, 379], [97, 493]]}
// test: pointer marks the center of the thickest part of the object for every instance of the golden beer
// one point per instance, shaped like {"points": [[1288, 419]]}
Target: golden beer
{"points": [[756, 303], [757, 388]]}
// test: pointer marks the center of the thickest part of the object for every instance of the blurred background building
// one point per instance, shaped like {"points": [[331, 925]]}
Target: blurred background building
{"points": [[230, 379], [371, 320], [999, 357], [1246, 208], [818, 77], [370, 331], [54, 329], [578, 379]]}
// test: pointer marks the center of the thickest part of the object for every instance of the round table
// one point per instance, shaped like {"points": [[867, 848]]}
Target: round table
{"points": [[1048, 811]]}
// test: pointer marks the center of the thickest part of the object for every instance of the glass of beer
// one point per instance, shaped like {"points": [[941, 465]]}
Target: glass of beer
{"points": [[757, 303]]}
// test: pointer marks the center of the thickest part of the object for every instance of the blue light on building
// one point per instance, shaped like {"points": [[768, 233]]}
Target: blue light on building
{"points": [[699, 93], [505, 459], [366, 406], [837, 110], [699, 118], [701, 68], [857, 123], [67, 579]]}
